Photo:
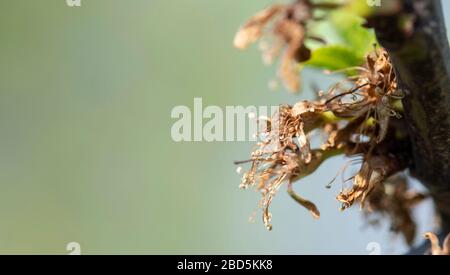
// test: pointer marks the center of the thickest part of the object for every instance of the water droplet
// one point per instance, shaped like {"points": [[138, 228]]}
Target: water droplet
{"points": [[239, 170]]}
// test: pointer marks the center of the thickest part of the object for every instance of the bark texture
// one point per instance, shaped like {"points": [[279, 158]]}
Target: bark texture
{"points": [[416, 39]]}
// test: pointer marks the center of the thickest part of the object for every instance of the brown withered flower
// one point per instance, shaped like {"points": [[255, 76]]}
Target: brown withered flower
{"points": [[369, 105], [373, 95], [282, 28], [356, 122], [284, 155], [436, 249], [395, 200], [379, 162], [372, 173]]}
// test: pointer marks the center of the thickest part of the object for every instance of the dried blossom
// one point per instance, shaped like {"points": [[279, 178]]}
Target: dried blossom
{"points": [[370, 106], [371, 174], [284, 155], [282, 28], [374, 93], [356, 121], [253, 29], [436, 249], [395, 200]]}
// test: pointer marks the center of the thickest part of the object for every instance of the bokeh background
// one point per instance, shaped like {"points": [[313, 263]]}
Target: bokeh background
{"points": [[85, 148]]}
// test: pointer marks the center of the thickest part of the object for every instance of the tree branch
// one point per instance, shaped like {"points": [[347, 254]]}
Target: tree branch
{"points": [[416, 40]]}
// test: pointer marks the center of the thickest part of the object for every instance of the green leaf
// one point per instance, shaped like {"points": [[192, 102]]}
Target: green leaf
{"points": [[360, 8], [353, 34], [334, 57]]}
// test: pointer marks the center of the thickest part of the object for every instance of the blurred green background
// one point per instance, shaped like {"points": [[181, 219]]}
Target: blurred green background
{"points": [[85, 148]]}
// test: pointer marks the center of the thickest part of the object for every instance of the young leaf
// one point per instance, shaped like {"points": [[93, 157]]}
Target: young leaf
{"points": [[353, 34], [334, 57]]}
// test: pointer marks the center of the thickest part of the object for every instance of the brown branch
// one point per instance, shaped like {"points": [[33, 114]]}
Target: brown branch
{"points": [[416, 40]]}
